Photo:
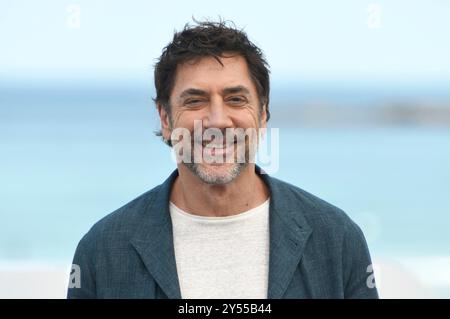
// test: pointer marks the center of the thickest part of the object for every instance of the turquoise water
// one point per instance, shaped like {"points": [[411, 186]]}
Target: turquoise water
{"points": [[67, 160]]}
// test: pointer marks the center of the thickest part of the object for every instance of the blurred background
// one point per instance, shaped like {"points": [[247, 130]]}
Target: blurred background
{"points": [[360, 94]]}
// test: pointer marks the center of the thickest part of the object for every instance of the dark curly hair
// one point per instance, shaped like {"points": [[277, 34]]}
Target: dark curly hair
{"points": [[210, 39]]}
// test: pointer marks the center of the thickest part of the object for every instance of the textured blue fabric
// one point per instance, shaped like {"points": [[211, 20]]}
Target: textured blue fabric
{"points": [[316, 250]]}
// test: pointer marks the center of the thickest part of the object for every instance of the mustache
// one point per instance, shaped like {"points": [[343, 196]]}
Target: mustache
{"points": [[214, 136]]}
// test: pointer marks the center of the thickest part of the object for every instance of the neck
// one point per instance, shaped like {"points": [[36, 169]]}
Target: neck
{"points": [[197, 197]]}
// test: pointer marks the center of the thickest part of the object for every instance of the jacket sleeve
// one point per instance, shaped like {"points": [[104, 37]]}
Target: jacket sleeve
{"points": [[82, 276], [359, 279]]}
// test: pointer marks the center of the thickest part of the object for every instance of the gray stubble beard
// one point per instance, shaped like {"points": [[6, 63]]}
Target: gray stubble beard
{"points": [[213, 179]]}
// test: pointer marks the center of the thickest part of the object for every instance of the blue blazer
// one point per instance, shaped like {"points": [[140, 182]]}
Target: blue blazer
{"points": [[316, 250]]}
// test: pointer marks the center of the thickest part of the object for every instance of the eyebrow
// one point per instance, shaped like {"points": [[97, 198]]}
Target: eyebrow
{"points": [[236, 89], [229, 90], [192, 91]]}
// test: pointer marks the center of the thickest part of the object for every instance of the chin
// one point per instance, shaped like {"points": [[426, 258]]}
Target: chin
{"points": [[216, 174]]}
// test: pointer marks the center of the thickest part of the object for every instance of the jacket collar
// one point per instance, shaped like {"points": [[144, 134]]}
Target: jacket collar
{"points": [[289, 232]]}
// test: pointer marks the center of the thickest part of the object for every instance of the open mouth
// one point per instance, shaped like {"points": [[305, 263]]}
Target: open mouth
{"points": [[217, 145], [211, 148]]}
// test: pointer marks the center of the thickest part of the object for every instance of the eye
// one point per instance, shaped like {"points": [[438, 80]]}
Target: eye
{"points": [[193, 102], [237, 100]]}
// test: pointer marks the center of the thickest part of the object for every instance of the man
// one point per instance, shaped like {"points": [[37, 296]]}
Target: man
{"points": [[220, 228]]}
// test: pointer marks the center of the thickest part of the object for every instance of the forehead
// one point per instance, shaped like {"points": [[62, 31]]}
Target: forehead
{"points": [[209, 75]]}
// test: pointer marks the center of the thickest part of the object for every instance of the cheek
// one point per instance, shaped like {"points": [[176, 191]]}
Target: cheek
{"points": [[183, 119], [244, 118], [249, 118]]}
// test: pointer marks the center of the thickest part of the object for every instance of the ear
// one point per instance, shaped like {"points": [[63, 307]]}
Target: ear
{"points": [[165, 121], [263, 123], [264, 117]]}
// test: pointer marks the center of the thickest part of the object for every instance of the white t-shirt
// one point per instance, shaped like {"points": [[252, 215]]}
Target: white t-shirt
{"points": [[222, 257]]}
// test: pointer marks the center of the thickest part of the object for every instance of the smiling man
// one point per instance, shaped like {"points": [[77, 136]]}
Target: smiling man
{"points": [[219, 227]]}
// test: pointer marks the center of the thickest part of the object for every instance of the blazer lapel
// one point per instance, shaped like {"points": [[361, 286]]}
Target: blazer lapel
{"points": [[154, 241], [289, 232]]}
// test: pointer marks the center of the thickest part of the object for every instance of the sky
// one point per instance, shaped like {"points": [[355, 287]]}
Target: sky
{"points": [[395, 39]]}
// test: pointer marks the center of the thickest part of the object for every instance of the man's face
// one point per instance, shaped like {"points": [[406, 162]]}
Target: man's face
{"points": [[222, 97]]}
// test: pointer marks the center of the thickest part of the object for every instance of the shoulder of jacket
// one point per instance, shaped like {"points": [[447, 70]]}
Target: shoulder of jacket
{"points": [[318, 212], [123, 221]]}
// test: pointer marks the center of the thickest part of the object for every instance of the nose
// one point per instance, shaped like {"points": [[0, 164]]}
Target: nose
{"points": [[217, 115]]}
